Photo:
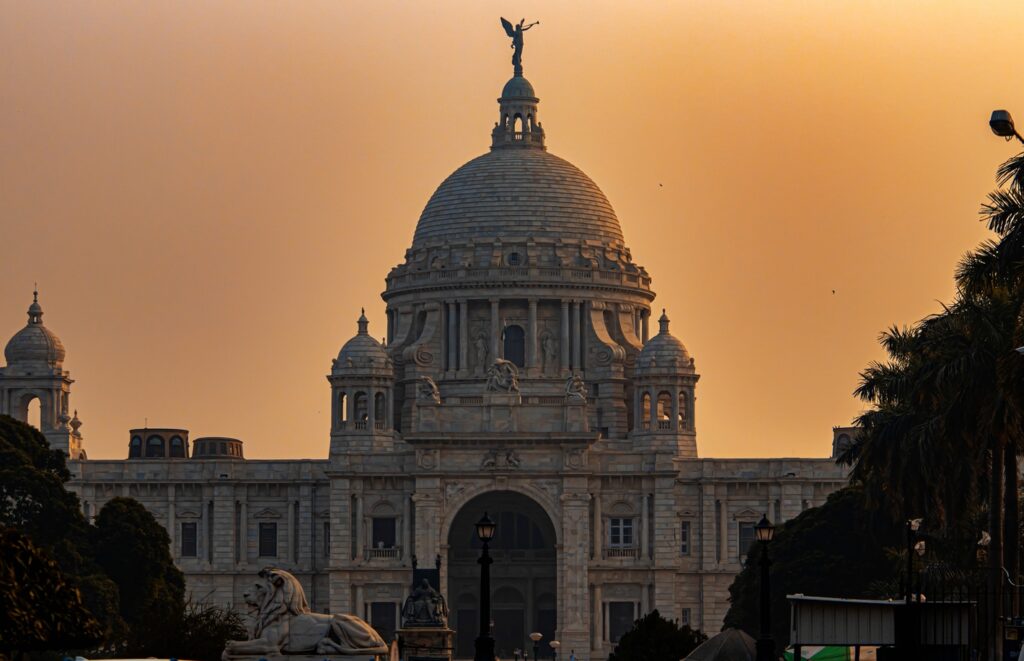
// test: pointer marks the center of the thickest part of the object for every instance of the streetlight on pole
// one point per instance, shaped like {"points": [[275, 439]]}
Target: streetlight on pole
{"points": [[535, 637], [1002, 125], [554, 649], [764, 531], [484, 642]]}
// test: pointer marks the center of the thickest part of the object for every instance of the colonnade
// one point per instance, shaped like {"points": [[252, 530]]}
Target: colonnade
{"points": [[648, 420]]}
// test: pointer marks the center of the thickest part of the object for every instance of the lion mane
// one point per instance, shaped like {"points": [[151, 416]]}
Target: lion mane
{"points": [[283, 596]]}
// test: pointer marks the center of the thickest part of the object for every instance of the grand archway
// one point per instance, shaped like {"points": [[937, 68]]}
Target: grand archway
{"points": [[523, 576]]}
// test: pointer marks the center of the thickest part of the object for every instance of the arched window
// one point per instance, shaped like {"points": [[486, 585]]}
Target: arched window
{"points": [[517, 123], [684, 409], [362, 407], [515, 345], [380, 408], [177, 447], [664, 406], [155, 447], [342, 407], [135, 448], [34, 413]]}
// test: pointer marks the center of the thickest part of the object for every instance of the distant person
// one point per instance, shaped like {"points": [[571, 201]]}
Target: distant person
{"points": [[572, 655]]}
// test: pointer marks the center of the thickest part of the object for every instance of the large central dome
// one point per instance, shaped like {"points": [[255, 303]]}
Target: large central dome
{"points": [[518, 192]]}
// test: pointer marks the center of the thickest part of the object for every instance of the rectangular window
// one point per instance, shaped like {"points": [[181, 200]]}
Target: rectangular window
{"points": [[620, 619], [685, 619], [620, 532], [684, 538], [189, 542], [383, 619], [268, 540], [327, 539], [746, 538], [384, 532]]}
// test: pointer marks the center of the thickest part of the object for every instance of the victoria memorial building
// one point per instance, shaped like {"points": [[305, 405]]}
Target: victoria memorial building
{"points": [[526, 373]]}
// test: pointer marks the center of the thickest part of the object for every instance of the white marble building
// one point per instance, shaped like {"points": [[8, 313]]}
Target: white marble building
{"points": [[604, 508]]}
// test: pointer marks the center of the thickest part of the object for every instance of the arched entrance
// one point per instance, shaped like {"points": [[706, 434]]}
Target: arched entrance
{"points": [[523, 576]]}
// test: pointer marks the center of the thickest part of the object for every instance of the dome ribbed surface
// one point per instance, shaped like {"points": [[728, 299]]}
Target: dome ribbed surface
{"points": [[518, 88], [34, 343], [663, 351], [518, 193]]}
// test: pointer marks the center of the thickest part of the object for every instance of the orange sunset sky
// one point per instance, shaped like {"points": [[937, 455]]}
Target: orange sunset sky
{"points": [[207, 192]]}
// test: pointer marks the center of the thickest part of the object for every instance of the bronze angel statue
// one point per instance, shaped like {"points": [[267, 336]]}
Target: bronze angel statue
{"points": [[516, 32]]}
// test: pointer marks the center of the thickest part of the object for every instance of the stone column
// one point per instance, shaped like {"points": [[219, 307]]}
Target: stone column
{"points": [[453, 356], [406, 529], [359, 528], [531, 337], [597, 627], [645, 525], [573, 616], [350, 402], [723, 533], [371, 406], [598, 527], [675, 409], [653, 417], [564, 343], [172, 523], [463, 335], [645, 323], [576, 353], [359, 608], [290, 551], [495, 329], [243, 530]]}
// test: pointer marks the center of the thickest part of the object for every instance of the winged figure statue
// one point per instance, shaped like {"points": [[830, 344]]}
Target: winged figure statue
{"points": [[516, 32]]}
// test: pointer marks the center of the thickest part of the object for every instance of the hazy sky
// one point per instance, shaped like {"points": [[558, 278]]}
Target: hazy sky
{"points": [[207, 192]]}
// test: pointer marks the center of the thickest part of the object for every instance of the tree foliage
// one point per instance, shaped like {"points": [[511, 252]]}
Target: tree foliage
{"points": [[205, 629], [43, 608], [134, 550], [836, 550], [653, 638]]}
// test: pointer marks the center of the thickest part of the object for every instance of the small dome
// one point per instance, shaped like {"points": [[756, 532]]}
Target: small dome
{"points": [[35, 344], [362, 353], [664, 352], [518, 87]]}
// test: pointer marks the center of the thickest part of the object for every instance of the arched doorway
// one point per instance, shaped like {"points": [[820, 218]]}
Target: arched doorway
{"points": [[523, 576]]}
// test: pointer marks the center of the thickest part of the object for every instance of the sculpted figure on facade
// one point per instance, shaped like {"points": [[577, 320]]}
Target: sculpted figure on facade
{"points": [[575, 389], [480, 352], [425, 607], [498, 459], [285, 625], [427, 391], [549, 353], [503, 376]]}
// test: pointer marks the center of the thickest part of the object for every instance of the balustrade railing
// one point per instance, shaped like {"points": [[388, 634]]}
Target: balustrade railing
{"points": [[621, 552], [383, 553]]}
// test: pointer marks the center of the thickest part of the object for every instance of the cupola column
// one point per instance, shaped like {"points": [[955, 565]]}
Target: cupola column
{"points": [[531, 340], [463, 335], [452, 337], [564, 344], [675, 409], [495, 329], [645, 323], [576, 353], [653, 393]]}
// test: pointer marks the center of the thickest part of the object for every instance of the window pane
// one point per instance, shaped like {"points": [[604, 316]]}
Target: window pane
{"points": [[684, 536], [384, 532], [746, 538], [268, 540], [189, 545], [620, 619], [382, 618]]}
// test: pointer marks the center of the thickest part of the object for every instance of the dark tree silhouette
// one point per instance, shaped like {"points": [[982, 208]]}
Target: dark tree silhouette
{"points": [[653, 638]]}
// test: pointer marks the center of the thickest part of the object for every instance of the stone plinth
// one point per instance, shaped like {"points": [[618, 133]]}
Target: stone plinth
{"points": [[501, 411], [575, 415], [426, 643]]}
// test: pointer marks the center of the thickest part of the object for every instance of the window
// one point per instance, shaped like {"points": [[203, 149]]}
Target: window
{"points": [[189, 543], [684, 538], [515, 345], [135, 448], [384, 532], [177, 447], [268, 540], [685, 619], [620, 619], [327, 539], [383, 619], [155, 446], [746, 538], [513, 259], [620, 532]]}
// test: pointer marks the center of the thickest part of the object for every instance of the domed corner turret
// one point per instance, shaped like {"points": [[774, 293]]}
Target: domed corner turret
{"points": [[35, 346], [664, 383], [217, 447], [362, 394]]}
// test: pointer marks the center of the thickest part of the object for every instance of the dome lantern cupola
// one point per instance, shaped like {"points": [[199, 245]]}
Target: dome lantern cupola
{"points": [[35, 344], [517, 125], [362, 398]]}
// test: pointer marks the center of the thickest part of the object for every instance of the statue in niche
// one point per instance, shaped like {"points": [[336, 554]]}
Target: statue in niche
{"points": [[427, 391], [549, 352], [516, 33], [575, 389], [480, 350], [425, 607], [503, 376]]}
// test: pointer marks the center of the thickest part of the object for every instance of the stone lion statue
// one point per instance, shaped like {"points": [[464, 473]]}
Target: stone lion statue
{"points": [[285, 625]]}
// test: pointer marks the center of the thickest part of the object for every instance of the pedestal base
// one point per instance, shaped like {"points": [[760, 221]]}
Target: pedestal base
{"points": [[426, 643]]}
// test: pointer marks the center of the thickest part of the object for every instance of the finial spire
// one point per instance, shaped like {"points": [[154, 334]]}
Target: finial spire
{"points": [[35, 311], [663, 322], [363, 322]]}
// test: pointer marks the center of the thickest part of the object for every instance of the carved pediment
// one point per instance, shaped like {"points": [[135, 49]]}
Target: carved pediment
{"points": [[188, 514], [267, 513], [747, 514]]}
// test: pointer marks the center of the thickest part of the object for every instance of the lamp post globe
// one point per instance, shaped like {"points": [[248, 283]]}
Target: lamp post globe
{"points": [[764, 532], [485, 529], [554, 649], [535, 637], [1002, 125]]}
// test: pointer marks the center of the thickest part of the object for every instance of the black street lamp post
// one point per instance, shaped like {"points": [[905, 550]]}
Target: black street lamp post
{"points": [[765, 531], [484, 642], [535, 637]]}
